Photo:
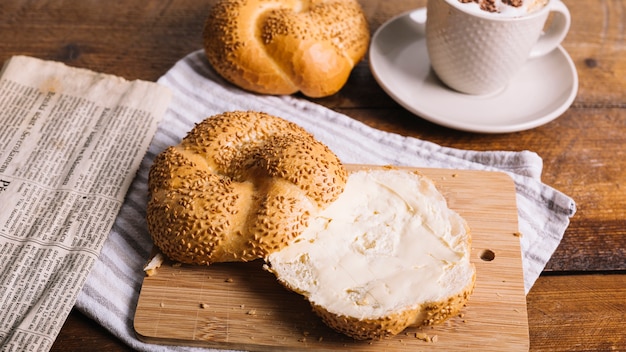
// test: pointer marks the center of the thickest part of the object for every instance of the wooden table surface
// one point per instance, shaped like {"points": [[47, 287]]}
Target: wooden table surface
{"points": [[578, 303]]}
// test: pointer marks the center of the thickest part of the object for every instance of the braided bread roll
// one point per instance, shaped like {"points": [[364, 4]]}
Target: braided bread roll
{"points": [[286, 46], [239, 186]]}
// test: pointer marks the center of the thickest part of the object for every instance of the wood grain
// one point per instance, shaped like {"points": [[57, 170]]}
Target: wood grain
{"points": [[578, 313], [239, 306], [565, 313], [79, 333]]}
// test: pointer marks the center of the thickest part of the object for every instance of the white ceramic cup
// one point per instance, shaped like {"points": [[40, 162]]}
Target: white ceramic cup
{"points": [[477, 52]]}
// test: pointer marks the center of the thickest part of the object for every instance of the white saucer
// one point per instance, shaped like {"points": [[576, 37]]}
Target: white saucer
{"points": [[543, 89]]}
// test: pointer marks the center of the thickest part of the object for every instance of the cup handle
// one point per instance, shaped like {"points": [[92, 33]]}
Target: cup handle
{"points": [[556, 32], [418, 19]]}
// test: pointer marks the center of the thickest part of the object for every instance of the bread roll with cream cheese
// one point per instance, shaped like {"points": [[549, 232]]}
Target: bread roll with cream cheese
{"points": [[387, 254]]}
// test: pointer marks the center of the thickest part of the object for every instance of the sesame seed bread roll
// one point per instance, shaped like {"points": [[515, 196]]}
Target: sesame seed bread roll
{"points": [[239, 186], [387, 254], [286, 46]]}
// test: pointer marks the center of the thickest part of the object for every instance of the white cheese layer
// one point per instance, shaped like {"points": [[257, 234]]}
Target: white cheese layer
{"points": [[389, 242]]}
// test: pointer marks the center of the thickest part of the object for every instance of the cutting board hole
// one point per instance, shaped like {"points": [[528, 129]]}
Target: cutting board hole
{"points": [[487, 255]]}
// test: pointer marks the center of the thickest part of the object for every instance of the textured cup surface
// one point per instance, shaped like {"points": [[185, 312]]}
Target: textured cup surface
{"points": [[479, 54]]}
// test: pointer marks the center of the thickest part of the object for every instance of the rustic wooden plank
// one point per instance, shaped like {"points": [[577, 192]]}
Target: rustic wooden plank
{"points": [[135, 40], [239, 306], [566, 313], [578, 313], [80, 333]]}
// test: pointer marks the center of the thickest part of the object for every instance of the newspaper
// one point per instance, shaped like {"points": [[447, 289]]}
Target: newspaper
{"points": [[71, 141]]}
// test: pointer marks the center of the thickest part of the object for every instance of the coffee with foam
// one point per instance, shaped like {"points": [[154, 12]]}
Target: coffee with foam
{"points": [[500, 8], [477, 52]]}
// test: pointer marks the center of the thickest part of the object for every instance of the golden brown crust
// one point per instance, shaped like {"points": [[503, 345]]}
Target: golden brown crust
{"points": [[239, 186], [286, 46], [426, 314]]}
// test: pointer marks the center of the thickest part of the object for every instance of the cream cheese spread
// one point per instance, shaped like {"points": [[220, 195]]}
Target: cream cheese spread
{"points": [[389, 242]]}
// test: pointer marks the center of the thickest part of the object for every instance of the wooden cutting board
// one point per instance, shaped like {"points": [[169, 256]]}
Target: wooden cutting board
{"points": [[241, 306]]}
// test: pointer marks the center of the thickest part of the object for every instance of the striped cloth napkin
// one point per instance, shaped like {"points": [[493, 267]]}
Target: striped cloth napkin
{"points": [[112, 288]]}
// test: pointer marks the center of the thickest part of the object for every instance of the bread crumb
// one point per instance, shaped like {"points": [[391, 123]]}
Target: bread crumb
{"points": [[422, 336], [517, 234], [455, 175], [161, 304], [251, 312], [229, 280], [154, 264], [319, 339], [204, 305]]}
